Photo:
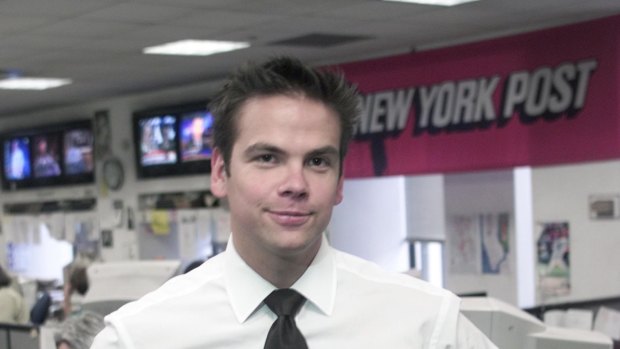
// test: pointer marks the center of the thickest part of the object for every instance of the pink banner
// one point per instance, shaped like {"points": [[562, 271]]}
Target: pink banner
{"points": [[541, 98]]}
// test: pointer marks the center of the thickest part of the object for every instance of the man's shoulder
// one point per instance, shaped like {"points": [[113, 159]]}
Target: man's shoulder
{"points": [[176, 289], [371, 275]]}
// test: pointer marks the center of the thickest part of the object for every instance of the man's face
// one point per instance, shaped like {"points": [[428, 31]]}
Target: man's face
{"points": [[284, 176]]}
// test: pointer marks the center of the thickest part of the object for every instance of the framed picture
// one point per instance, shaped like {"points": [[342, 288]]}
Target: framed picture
{"points": [[604, 206]]}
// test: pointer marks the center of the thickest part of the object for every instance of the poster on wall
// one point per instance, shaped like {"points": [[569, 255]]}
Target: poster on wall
{"points": [[495, 242], [553, 260], [464, 244], [479, 243]]}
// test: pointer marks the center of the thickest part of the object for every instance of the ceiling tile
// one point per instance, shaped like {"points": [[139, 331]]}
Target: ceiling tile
{"points": [[99, 42], [138, 13]]}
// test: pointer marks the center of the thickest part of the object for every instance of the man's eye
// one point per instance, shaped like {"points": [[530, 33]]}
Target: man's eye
{"points": [[319, 162], [266, 158]]}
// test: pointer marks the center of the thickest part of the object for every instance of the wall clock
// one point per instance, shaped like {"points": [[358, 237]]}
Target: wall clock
{"points": [[113, 173]]}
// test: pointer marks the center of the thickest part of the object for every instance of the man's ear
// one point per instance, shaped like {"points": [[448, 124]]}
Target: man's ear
{"points": [[218, 174], [339, 189]]}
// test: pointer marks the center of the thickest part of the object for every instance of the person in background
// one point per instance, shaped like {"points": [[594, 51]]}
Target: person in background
{"points": [[74, 289], [280, 136], [12, 306], [79, 326]]}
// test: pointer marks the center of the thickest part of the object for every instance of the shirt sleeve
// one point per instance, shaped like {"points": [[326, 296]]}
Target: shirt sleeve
{"points": [[470, 337]]}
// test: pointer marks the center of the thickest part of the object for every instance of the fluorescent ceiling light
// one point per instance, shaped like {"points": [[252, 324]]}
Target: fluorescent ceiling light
{"points": [[195, 47], [435, 2], [22, 83]]}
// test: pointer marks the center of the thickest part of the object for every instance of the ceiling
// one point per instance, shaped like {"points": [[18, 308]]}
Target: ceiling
{"points": [[98, 43]]}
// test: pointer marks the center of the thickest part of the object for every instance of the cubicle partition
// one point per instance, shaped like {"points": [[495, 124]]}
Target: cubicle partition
{"points": [[18, 337]]}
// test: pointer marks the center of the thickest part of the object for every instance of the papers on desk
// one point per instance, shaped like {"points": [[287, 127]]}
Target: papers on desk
{"points": [[572, 318], [608, 322]]}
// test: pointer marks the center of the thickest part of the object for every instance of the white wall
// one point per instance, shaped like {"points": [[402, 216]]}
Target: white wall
{"points": [[425, 207], [371, 222], [478, 193], [561, 193]]}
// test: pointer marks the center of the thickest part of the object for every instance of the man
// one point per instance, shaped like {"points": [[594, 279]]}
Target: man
{"points": [[280, 136]]}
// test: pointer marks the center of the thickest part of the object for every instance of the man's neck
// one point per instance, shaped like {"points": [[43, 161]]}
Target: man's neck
{"points": [[280, 271]]}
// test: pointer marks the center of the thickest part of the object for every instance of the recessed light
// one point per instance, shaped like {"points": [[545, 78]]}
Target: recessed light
{"points": [[435, 2], [32, 83], [195, 47]]}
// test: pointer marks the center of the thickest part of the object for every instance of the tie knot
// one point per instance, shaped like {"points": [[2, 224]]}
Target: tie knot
{"points": [[285, 301]]}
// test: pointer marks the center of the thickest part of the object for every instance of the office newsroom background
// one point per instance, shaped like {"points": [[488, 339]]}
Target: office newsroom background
{"points": [[428, 207]]}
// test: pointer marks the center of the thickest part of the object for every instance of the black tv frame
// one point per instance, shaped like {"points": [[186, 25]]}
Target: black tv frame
{"points": [[178, 167], [59, 130]]}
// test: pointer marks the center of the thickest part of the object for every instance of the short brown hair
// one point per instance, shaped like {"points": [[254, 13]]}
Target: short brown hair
{"points": [[281, 76], [79, 280]]}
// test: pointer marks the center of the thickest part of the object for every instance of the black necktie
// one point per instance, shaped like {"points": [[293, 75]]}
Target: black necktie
{"points": [[284, 333]]}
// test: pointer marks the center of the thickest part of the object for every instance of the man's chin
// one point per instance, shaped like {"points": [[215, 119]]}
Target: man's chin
{"points": [[293, 243]]}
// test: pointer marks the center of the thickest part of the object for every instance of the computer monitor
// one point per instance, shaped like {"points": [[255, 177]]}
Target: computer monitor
{"points": [[512, 328], [113, 284], [127, 280]]}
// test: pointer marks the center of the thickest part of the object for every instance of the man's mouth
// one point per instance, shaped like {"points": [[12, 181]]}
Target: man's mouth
{"points": [[289, 218]]}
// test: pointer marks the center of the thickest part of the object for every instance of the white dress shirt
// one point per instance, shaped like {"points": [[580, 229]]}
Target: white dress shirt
{"points": [[351, 303]]}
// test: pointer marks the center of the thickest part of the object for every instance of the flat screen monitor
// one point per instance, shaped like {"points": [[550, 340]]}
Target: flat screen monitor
{"points": [[46, 155], [78, 151], [196, 134], [158, 140], [17, 159], [51, 155], [173, 140]]}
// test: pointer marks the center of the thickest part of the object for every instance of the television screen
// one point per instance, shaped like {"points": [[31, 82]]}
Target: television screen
{"points": [[78, 152], [17, 159], [46, 155], [158, 140], [196, 133], [173, 140], [49, 155]]}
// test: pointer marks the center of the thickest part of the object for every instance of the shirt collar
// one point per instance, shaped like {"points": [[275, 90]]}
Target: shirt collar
{"points": [[246, 289]]}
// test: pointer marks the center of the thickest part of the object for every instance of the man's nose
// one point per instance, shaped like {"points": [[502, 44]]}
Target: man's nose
{"points": [[294, 184]]}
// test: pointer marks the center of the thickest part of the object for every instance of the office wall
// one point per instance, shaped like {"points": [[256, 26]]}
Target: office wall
{"points": [[371, 222], [561, 194], [469, 195], [425, 200]]}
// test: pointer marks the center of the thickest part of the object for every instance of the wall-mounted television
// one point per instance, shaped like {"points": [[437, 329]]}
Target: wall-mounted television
{"points": [[52, 155], [173, 140]]}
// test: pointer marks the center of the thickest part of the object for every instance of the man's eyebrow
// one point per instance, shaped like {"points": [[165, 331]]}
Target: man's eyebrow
{"points": [[327, 150], [262, 147]]}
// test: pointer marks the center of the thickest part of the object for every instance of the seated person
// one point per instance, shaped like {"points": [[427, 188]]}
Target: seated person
{"points": [[12, 306], [74, 289], [79, 326]]}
